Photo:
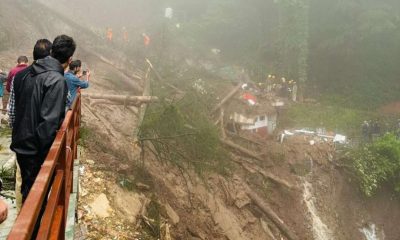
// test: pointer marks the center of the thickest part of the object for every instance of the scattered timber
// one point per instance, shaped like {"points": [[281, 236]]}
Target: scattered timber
{"points": [[235, 135], [241, 149], [269, 176], [143, 107], [124, 100], [222, 124], [229, 96], [271, 215], [266, 229]]}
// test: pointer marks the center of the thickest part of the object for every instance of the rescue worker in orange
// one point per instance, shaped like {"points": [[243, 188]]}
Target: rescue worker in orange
{"points": [[109, 34], [146, 40]]}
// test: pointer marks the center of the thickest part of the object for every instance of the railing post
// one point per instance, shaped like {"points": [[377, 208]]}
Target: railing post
{"points": [[61, 201]]}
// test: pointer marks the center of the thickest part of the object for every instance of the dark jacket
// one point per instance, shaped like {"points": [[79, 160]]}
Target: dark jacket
{"points": [[40, 98]]}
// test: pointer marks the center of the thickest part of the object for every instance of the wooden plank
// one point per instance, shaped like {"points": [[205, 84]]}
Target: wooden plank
{"points": [[56, 227], [49, 213]]}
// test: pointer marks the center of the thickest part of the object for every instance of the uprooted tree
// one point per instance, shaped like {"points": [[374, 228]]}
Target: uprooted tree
{"points": [[181, 133]]}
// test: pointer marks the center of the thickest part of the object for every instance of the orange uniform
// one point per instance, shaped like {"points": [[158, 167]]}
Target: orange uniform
{"points": [[109, 34], [146, 40]]}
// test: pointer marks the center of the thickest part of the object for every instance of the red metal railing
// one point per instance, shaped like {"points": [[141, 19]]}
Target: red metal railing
{"points": [[55, 176]]}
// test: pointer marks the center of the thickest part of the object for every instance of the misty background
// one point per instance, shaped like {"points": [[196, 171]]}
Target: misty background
{"points": [[349, 48], [344, 55]]}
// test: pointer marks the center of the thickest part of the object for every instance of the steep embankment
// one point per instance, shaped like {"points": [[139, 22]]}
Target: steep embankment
{"points": [[124, 197]]}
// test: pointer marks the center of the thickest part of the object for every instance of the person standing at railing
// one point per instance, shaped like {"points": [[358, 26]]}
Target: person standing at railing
{"points": [[22, 64], [40, 100], [76, 79], [41, 50]]}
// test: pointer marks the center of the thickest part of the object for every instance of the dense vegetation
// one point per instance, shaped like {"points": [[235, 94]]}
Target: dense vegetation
{"points": [[378, 163]]}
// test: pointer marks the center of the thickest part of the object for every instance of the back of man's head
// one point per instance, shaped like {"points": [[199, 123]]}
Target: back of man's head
{"points": [[63, 48], [42, 49], [75, 64], [22, 59]]}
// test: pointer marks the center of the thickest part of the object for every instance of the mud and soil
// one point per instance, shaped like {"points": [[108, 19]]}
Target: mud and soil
{"points": [[213, 207]]}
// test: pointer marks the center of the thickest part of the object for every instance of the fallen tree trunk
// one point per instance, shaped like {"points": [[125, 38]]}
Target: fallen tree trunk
{"points": [[231, 134], [266, 229], [275, 178], [269, 176], [128, 100], [229, 96], [271, 215], [252, 168], [129, 105], [222, 124], [241, 149], [143, 107]]}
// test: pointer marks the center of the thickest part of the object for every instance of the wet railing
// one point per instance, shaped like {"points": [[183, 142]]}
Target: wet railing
{"points": [[51, 191]]}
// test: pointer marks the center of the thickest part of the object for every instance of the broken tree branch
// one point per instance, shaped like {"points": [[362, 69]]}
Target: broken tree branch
{"points": [[222, 124], [269, 176], [95, 102], [258, 143], [241, 149], [274, 178], [128, 100], [266, 229], [167, 137], [142, 213], [271, 215], [229, 96], [143, 107]]}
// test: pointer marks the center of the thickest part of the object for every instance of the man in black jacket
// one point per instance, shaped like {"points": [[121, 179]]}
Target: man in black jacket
{"points": [[40, 99], [41, 50]]}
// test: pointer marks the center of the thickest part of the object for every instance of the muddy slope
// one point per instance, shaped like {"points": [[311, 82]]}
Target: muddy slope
{"points": [[217, 207]]}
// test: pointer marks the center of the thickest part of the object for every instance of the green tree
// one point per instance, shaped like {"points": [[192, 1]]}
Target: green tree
{"points": [[378, 163]]}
